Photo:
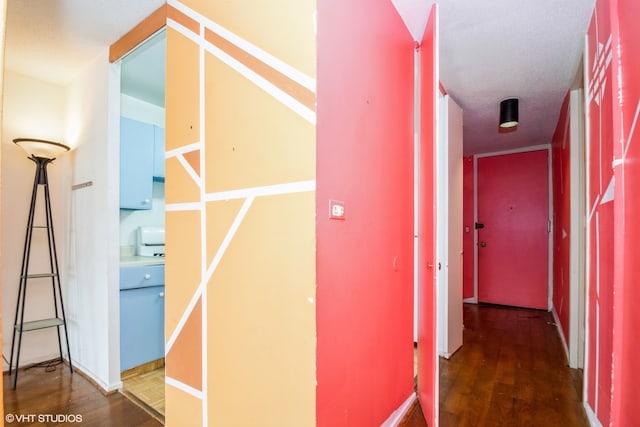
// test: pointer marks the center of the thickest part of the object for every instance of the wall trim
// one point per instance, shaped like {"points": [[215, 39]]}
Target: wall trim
{"points": [[398, 415], [145, 29], [103, 387], [578, 230], [556, 320], [591, 416], [514, 151], [587, 243]]}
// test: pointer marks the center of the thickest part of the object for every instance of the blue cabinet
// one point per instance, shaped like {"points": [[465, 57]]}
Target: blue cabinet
{"points": [[141, 161], [158, 152], [141, 315], [136, 164]]}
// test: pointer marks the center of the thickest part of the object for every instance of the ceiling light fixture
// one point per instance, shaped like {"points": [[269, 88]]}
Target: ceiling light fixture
{"points": [[509, 113]]}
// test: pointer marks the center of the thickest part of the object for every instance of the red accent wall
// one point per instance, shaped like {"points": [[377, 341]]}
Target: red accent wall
{"points": [[364, 262], [468, 290], [560, 163], [427, 368], [626, 375], [600, 220]]}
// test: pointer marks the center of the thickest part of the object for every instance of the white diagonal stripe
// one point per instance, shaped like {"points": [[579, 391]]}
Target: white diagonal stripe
{"points": [[267, 190], [183, 319], [275, 63], [184, 387], [187, 167], [227, 239], [182, 150]]}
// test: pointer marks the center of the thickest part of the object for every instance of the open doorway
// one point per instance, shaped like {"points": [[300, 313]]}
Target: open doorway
{"points": [[142, 211]]}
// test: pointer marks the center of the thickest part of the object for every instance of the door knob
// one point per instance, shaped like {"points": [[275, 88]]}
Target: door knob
{"points": [[483, 244]]}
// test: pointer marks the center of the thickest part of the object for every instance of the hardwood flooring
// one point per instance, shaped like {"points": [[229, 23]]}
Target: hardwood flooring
{"points": [[511, 371], [41, 394]]}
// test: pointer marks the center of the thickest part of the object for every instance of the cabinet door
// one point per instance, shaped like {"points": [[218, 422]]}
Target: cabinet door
{"points": [[136, 164], [141, 326], [158, 152]]}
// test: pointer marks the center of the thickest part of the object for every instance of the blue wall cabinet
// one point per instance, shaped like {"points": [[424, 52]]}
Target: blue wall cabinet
{"points": [[141, 315], [136, 164], [158, 152]]}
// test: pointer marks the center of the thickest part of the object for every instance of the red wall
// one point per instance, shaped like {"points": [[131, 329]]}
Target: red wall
{"points": [[364, 262], [626, 375], [560, 163], [600, 220], [468, 290]]}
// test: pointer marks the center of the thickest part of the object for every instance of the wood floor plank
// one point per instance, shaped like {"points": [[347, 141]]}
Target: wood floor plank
{"points": [[59, 393], [510, 371]]}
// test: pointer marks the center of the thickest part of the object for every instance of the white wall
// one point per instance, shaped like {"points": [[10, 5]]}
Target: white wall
{"points": [[32, 108], [93, 109]]}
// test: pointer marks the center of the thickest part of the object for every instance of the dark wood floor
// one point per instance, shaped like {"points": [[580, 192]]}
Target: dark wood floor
{"points": [[40, 393], [511, 371]]}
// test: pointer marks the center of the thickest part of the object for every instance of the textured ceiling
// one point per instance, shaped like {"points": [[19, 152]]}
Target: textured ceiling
{"points": [[489, 50], [496, 49]]}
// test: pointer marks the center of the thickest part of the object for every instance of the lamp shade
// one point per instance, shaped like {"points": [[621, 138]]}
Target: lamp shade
{"points": [[41, 148], [509, 113]]}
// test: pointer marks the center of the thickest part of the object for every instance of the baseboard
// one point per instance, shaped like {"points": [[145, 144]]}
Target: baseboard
{"points": [[105, 389], [472, 300], [556, 320], [142, 369], [397, 416], [593, 419]]}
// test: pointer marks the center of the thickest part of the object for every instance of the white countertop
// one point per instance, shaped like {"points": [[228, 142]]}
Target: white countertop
{"points": [[141, 260]]}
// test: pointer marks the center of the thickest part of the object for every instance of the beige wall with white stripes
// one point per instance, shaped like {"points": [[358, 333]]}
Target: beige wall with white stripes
{"points": [[240, 188]]}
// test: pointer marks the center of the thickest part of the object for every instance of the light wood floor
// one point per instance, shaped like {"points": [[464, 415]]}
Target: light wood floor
{"points": [[59, 393], [147, 389]]}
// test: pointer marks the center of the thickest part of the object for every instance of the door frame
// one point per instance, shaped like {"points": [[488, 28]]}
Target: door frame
{"points": [[578, 238], [546, 147]]}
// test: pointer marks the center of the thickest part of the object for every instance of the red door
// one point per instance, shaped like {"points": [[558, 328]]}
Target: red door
{"points": [[427, 367], [513, 213]]}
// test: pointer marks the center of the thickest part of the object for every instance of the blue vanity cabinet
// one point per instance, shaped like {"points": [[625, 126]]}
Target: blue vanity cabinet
{"points": [[136, 164], [141, 315]]}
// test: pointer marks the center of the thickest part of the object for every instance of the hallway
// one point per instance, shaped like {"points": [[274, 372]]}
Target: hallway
{"points": [[511, 371]]}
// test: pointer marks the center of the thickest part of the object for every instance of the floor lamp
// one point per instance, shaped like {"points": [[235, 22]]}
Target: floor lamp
{"points": [[41, 152]]}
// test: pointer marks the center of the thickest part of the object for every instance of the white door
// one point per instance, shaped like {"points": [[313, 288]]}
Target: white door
{"points": [[449, 226]]}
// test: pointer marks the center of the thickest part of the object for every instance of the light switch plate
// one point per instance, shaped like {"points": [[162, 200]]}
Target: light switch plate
{"points": [[336, 209]]}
